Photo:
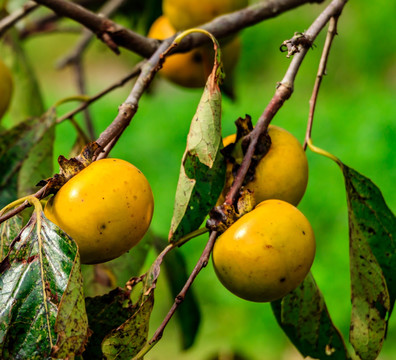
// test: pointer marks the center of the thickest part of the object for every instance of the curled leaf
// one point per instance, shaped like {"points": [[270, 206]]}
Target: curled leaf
{"points": [[202, 171], [127, 340]]}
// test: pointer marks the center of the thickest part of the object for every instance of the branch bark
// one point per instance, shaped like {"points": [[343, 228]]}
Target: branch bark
{"points": [[219, 27]]}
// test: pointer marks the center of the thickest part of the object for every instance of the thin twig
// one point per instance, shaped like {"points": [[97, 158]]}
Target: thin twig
{"points": [[8, 215], [202, 262], [80, 79], [107, 10], [17, 15], [136, 70], [331, 33]]}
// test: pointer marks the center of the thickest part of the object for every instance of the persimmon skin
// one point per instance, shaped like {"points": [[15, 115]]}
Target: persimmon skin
{"points": [[192, 69], [106, 208], [265, 254], [282, 173], [6, 88], [185, 14]]}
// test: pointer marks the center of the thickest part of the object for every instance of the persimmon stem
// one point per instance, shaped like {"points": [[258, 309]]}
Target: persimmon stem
{"points": [[17, 206], [322, 152], [190, 236]]}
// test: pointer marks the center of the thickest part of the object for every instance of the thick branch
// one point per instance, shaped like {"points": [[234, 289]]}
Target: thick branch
{"points": [[219, 27], [108, 31]]}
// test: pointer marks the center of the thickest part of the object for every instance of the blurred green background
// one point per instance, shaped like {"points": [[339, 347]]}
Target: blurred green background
{"points": [[355, 120]]}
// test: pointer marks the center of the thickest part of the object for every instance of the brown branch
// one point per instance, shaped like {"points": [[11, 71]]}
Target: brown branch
{"points": [[128, 109], [107, 10], [282, 93], [17, 15], [331, 33], [219, 27], [202, 262], [108, 31]]}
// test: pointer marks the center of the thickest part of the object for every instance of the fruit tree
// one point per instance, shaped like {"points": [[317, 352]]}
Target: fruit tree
{"points": [[174, 174]]}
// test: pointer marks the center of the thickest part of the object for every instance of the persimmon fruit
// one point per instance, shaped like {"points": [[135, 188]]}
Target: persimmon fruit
{"points": [[192, 69], [106, 208], [266, 253], [6, 88], [281, 174], [184, 14]]}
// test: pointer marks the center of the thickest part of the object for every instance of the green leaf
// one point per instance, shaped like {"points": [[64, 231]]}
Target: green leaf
{"points": [[71, 323], [8, 231], [188, 314], [34, 283], [27, 97], [202, 172], [127, 340], [16, 146], [130, 263], [105, 313], [38, 165], [303, 316], [372, 232]]}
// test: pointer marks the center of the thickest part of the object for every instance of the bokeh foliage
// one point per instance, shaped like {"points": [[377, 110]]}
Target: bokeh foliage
{"points": [[354, 120]]}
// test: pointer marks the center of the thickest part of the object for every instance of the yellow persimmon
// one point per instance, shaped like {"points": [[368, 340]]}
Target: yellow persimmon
{"points": [[106, 208], [184, 14], [282, 173], [266, 253], [192, 69]]}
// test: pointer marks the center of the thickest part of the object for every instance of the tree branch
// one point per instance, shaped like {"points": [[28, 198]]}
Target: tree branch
{"points": [[128, 109], [19, 14], [107, 10], [131, 75], [282, 93], [109, 32], [219, 27]]}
